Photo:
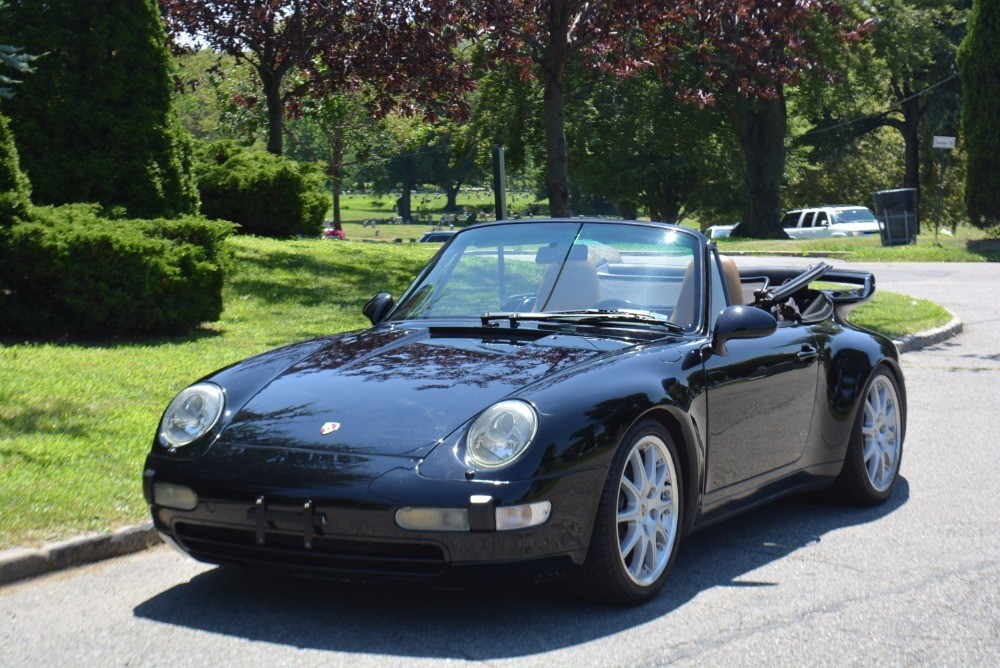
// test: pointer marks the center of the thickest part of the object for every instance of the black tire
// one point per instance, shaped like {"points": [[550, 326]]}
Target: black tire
{"points": [[858, 484], [605, 575]]}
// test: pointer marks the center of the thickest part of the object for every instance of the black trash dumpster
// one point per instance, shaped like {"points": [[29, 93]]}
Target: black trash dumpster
{"points": [[896, 211]]}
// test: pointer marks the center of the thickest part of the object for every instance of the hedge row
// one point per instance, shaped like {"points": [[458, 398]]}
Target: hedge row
{"points": [[69, 271]]}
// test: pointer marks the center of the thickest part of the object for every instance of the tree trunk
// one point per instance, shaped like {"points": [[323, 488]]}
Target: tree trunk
{"points": [[762, 127], [557, 153], [628, 210], [664, 205], [451, 191], [403, 206], [911, 140], [275, 109]]}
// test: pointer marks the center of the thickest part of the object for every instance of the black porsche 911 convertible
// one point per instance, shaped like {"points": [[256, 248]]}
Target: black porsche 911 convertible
{"points": [[552, 398]]}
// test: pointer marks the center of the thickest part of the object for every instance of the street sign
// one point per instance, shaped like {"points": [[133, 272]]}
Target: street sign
{"points": [[944, 142]]}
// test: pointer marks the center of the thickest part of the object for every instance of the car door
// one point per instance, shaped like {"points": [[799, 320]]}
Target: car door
{"points": [[803, 229], [760, 403], [821, 225]]}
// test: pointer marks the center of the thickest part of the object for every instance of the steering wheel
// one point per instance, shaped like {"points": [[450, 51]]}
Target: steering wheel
{"points": [[615, 304]]}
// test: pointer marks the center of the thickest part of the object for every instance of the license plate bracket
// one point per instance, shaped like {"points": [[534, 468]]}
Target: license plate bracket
{"points": [[287, 518]]}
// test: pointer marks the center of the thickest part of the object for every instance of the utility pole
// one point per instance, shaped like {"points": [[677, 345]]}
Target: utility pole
{"points": [[499, 183]]}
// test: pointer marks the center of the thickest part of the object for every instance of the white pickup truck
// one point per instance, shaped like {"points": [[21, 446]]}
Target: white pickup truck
{"points": [[817, 222], [830, 221]]}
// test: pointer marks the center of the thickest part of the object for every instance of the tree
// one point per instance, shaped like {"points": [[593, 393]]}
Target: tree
{"points": [[543, 37], [412, 153], [15, 191], [979, 63], [94, 122], [750, 52], [196, 97], [272, 36], [335, 130], [908, 75], [404, 47], [916, 40], [636, 145]]}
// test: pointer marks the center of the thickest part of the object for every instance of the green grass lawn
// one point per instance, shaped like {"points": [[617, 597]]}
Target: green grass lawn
{"points": [[899, 315], [359, 207], [967, 245], [76, 419]]}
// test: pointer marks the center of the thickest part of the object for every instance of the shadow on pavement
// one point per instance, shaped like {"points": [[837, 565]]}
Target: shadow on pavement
{"points": [[484, 624]]}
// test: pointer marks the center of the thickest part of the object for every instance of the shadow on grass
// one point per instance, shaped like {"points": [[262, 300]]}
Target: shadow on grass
{"points": [[489, 624], [357, 281], [988, 249], [202, 332]]}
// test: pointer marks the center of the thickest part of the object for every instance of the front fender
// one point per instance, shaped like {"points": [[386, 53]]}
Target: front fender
{"points": [[584, 414]]}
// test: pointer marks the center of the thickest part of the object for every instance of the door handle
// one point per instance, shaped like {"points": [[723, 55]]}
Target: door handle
{"points": [[807, 353]]}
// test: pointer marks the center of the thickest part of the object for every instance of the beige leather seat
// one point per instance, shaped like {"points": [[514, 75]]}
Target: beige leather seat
{"points": [[578, 286], [732, 275], [684, 312]]}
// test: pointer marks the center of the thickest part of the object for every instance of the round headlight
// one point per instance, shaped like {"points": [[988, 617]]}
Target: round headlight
{"points": [[501, 433], [191, 414]]}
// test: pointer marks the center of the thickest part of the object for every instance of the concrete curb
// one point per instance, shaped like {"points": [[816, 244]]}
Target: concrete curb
{"points": [[774, 253], [931, 336], [22, 563]]}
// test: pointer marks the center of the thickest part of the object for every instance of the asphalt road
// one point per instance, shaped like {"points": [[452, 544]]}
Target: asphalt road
{"points": [[800, 582]]}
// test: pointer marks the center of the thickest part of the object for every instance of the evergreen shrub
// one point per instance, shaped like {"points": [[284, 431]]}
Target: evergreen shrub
{"points": [[15, 191], [979, 67], [68, 271], [94, 121], [264, 194]]}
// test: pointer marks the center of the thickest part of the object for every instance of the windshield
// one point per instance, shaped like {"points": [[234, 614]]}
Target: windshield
{"points": [[556, 267], [854, 216]]}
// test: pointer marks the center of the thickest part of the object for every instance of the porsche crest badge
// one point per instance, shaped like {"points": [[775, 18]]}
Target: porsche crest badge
{"points": [[329, 428]]}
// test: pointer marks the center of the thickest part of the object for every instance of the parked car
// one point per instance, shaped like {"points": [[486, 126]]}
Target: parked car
{"points": [[436, 236], [830, 221], [335, 235], [719, 231], [563, 397]]}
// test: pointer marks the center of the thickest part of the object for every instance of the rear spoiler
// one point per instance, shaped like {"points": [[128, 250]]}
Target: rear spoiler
{"points": [[850, 298], [794, 279]]}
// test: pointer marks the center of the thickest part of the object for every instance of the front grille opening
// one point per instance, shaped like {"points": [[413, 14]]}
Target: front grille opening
{"points": [[217, 543]]}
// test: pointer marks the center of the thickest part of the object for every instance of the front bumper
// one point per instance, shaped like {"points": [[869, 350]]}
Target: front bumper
{"points": [[313, 513]]}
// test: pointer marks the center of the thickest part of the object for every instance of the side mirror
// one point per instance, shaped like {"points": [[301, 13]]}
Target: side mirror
{"points": [[741, 322], [378, 307]]}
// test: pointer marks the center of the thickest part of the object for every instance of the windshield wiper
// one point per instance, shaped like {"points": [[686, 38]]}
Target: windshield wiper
{"points": [[593, 316]]}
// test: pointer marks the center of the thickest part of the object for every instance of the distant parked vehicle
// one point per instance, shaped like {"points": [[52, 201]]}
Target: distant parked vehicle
{"points": [[436, 236], [719, 231], [335, 235], [830, 221]]}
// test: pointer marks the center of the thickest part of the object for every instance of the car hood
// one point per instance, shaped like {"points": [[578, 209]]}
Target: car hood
{"points": [[400, 391]]}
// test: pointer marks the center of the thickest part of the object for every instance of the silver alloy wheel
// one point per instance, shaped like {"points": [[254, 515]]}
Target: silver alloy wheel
{"points": [[881, 433], [648, 510]]}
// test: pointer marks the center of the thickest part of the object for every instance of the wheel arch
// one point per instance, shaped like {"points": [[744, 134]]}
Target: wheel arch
{"points": [[688, 453], [892, 365]]}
